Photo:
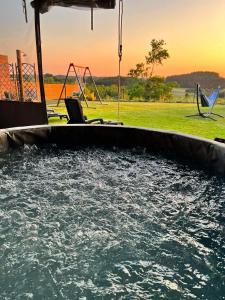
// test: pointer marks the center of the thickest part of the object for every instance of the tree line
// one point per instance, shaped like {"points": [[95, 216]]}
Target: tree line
{"points": [[207, 80]]}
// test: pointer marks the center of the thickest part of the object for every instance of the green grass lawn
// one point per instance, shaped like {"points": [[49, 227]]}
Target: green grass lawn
{"points": [[169, 116]]}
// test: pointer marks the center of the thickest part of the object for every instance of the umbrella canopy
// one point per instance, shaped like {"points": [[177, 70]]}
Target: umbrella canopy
{"points": [[44, 5]]}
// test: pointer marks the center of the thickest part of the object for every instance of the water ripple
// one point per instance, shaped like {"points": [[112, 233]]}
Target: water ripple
{"points": [[94, 224]]}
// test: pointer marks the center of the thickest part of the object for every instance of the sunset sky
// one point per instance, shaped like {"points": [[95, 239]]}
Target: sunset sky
{"points": [[193, 30]]}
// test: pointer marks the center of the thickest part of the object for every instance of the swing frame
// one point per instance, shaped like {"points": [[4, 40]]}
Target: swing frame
{"points": [[74, 68]]}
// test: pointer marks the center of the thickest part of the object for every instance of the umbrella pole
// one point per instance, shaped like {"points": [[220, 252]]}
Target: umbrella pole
{"points": [[39, 53]]}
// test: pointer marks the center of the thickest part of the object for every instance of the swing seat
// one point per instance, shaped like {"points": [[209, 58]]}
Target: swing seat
{"points": [[209, 101], [206, 101], [76, 115]]}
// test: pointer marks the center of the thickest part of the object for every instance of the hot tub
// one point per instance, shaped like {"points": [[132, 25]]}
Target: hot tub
{"points": [[104, 212]]}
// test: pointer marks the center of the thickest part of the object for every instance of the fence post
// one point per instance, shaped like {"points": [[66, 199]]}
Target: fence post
{"points": [[20, 74]]}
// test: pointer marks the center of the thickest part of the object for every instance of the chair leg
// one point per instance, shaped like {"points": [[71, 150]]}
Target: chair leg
{"points": [[211, 118], [218, 115], [206, 115], [203, 115], [196, 115]]}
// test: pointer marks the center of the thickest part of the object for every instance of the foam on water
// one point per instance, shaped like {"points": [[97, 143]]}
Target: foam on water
{"points": [[95, 224]]}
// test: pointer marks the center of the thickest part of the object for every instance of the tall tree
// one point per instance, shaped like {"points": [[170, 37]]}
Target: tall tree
{"points": [[139, 71], [156, 55], [149, 86]]}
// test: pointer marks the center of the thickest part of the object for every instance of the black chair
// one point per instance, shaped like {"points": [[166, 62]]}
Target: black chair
{"points": [[52, 114], [76, 115]]}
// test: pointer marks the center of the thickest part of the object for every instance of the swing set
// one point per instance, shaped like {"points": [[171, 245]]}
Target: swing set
{"points": [[82, 75]]}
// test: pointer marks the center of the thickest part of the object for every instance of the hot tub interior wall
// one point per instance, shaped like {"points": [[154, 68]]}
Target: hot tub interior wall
{"points": [[207, 154]]}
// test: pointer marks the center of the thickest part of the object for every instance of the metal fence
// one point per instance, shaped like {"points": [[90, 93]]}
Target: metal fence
{"points": [[8, 82], [29, 82], [15, 87]]}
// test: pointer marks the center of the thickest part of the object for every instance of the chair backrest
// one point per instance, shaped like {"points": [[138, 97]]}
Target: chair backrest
{"points": [[75, 111], [210, 100]]}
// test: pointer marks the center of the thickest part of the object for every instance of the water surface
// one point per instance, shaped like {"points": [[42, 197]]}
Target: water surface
{"points": [[95, 224]]}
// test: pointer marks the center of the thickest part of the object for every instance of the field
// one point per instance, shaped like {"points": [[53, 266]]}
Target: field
{"points": [[168, 116]]}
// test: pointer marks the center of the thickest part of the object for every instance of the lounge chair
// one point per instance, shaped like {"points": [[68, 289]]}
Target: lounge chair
{"points": [[206, 101], [76, 116], [52, 114]]}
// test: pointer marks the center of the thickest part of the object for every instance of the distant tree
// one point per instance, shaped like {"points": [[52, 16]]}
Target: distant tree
{"points": [[207, 80], [49, 80], [112, 91], [154, 88], [48, 75], [90, 96], [136, 91], [157, 89], [151, 87], [168, 88], [108, 92], [155, 57], [139, 71], [102, 91]]}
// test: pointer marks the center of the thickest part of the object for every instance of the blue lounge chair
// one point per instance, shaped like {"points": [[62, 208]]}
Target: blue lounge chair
{"points": [[206, 101]]}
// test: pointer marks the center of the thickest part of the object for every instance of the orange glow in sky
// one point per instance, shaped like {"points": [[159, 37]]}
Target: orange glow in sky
{"points": [[192, 29]]}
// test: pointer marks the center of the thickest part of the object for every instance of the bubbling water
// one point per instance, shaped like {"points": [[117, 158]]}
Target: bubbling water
{"points": [[109, 224]]}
